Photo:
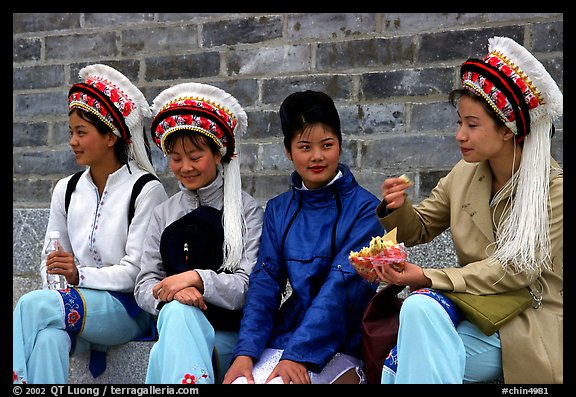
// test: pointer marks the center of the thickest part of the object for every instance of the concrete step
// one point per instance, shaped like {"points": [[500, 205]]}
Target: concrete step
{"points": [[125, 364]]}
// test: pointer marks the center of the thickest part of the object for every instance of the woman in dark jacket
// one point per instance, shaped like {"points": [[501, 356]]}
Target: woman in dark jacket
{"points": [[314, 335]]}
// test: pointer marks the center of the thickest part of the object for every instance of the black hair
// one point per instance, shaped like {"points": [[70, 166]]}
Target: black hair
{"points": [[197, 139], [302, 109]]}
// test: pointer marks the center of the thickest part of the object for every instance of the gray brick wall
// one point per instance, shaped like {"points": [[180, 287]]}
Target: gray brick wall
{"points": [[389, 74]]}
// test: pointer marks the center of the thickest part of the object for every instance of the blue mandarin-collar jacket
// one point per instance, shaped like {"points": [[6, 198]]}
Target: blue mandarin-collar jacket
{"points": [[306, 239]]}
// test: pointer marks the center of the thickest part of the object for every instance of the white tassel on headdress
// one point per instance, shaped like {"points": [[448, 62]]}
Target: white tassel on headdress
{"points": [[522, 241], [135, 120], [233, 216], [234, 220]]}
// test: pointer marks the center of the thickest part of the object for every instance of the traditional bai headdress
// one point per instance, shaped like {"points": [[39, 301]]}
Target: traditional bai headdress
{"points": [[108, 94], [210, 111], [524, 96]]}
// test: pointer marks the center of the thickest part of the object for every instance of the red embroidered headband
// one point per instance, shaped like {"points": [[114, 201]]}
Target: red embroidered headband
{"points": [[197, 115], [108, 94], [513, 83], [90, 96], [201, 108]]}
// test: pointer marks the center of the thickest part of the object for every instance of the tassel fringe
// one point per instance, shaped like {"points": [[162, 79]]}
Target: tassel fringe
{"points": [[522, 237]]}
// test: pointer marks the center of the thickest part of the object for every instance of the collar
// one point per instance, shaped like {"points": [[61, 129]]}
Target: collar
{"points": [[119, 176], [338, 176], [343, 184], [211, 194]]}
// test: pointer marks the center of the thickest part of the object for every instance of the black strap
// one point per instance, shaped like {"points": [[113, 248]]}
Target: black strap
{"points": [[136, 189], [144, 179], [70, 188]]}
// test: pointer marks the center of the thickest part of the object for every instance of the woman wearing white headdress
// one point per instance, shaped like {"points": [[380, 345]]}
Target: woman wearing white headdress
{"points": [[100, 238], [201, 244], [503, 203]]}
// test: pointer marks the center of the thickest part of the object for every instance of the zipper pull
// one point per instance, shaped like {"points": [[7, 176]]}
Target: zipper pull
{"points": [[537, 297], [186, 252]]}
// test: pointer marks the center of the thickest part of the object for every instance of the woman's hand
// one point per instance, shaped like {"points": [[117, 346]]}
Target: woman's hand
{"points": [[290, 372], [192, 297], [241, 366], [167, 289], [62, 262], [411, 275], [393, 190]]}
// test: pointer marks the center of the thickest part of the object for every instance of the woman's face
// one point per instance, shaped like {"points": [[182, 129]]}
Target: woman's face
{"points": [[479, 136], [315, 153], [90, 146], [193, 165]]}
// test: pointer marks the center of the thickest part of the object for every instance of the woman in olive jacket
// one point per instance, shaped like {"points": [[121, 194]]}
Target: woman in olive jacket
{"points": [[503, 203]]}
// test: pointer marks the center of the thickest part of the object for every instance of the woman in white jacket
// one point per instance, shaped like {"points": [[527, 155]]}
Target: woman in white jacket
{"points": [[100, 247], [197, 286]]}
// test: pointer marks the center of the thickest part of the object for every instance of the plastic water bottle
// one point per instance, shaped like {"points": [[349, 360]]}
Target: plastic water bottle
{"points": [[55, 281]]}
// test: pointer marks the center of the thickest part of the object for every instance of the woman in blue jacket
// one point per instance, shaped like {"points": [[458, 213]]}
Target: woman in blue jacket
{"points": [[313, 336]]}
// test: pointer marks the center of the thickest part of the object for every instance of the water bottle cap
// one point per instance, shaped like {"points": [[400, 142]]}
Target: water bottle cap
{"points": [[54, 234]]}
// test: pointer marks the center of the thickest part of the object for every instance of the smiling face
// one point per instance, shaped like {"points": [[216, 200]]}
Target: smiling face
{"points": [[90, 146], [193, 162], [315, 153]]}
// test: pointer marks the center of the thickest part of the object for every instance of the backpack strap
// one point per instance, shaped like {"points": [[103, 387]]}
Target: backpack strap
{"points": [[70, 188], [144, 179], [136, 189]]}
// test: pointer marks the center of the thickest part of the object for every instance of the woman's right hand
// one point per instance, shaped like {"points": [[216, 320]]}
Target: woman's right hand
{"points": [[393, 190], [241, 366], [62, 262]]}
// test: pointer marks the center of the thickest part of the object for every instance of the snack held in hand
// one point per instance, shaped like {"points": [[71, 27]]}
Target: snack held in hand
{"points": [[407, 180], [382, 250]]}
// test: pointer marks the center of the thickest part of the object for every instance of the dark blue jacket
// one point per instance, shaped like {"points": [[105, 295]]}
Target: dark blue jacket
{"points": [[306, 239]]}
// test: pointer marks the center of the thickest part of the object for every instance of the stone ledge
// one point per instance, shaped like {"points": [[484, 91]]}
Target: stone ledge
{"points": [[125, 364]]}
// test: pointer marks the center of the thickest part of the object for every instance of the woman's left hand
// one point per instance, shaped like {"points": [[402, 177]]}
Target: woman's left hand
{"points": [[410, 274], [192, 297], [290, 372]]}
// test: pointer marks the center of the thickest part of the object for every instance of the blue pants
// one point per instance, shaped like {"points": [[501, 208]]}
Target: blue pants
{"points": [[437, 347], [188, 349], [42, 346]]}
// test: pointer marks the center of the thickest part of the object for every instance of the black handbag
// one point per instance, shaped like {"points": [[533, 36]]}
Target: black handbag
{"points": [[195, 241]]}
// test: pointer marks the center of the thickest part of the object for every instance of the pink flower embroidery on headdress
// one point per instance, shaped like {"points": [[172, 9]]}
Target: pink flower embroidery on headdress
{"points": [[196, 115], [119, 98]]}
